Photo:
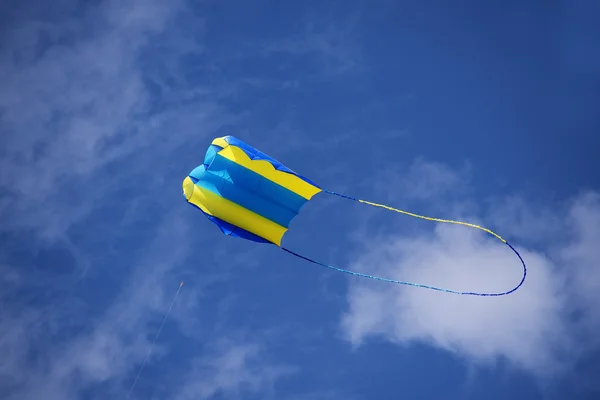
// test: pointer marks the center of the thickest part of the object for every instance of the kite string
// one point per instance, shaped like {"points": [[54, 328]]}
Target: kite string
{"points": [[417, 284], [155, 338]]}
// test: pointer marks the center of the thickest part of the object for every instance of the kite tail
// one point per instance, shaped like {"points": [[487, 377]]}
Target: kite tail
{"points": [[417, 284]]}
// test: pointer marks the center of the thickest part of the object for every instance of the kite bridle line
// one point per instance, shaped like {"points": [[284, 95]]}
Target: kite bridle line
{"points": [[448, 221]]}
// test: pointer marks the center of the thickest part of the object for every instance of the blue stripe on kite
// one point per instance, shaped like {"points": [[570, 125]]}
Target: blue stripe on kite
{"points": [[265, 208], [209, 156], [252, 191], [197, 173], [255, 154], [211, 152]]}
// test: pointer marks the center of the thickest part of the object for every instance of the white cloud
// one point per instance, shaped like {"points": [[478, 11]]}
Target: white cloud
{"points": [[333, 46], [77, 97], [87, 112], [108, 348], [581, 260], [533, 328], [72, 99], [77, 352], [234, 369], [530, 222], [426, 179], [422, 180]]}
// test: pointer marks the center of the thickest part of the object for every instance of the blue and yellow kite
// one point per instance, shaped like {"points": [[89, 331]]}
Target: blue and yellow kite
{"points": [[252, 196]]}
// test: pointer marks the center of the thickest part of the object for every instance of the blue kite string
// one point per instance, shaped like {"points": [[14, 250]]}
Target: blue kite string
{"points": [[417, 284]]}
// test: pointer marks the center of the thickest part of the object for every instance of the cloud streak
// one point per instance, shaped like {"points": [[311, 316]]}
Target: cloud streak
{"points": [[108, 346], [78, 99], [233, 369], [91, 120]]}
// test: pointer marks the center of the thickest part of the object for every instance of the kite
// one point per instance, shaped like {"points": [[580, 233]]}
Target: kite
{"points": [[250, 195]]}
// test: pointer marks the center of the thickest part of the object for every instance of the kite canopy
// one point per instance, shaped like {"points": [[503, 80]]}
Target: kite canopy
{"points": [[245, 192]]}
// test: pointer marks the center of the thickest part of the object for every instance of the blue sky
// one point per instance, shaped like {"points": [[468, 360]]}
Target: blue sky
{"points": [[481, 111]]}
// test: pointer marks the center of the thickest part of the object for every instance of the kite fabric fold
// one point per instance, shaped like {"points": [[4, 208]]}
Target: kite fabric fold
{"points": [[250, 195]]}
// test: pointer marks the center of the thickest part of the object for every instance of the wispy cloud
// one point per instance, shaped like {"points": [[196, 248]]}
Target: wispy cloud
{"points": [[535, 328], [75, 350], [77, 98], [232, 370], [332, 45], [92, 119], [423, 180]]}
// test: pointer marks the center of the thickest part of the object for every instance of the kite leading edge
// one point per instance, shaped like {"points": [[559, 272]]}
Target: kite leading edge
{"points": [[250, 195]]}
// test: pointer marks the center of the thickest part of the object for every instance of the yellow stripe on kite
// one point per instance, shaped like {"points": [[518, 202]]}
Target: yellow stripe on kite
{"points": [[266, 169], [215, 205], [220, 142]]}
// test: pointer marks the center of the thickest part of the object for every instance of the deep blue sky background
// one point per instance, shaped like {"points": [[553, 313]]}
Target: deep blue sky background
{"points": [[479, 110]]}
